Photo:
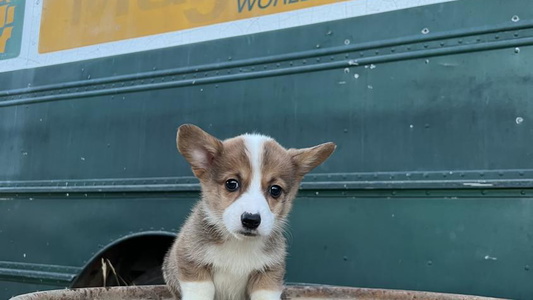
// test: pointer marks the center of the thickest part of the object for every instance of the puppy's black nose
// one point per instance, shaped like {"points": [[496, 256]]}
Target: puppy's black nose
{"points": [[250, 221]]}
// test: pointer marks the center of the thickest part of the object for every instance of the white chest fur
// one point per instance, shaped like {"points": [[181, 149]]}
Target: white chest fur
{"points": [[233, 262]]}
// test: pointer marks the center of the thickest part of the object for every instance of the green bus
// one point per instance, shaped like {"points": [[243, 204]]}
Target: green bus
{"points": [[429, 102]]}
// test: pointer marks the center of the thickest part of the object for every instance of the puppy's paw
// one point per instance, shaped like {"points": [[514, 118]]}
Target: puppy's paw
{"points": [[265, 295], [197, 290]]}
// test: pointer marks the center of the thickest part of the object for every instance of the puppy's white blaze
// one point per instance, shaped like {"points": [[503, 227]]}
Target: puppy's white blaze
{"points": [[253, 200], [197, 290], [265, 295]]}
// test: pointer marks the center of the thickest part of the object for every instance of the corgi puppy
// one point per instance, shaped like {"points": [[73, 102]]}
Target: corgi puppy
{"points": [[232, 245]]}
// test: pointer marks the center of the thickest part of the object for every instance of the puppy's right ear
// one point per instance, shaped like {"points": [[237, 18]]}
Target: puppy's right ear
{"points": [[198, 147]]}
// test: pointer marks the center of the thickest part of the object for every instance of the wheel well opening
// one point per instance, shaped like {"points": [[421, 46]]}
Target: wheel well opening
{"points": [[133, 261]]}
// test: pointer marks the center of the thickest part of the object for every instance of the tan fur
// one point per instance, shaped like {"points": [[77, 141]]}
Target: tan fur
{"points": [[214, 162]]}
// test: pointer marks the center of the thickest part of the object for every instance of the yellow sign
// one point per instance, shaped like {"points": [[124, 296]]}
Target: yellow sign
{"points": [[68, 24], [7, 17]]}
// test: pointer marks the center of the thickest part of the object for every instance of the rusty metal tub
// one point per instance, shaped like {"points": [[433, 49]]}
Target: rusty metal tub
{"points": [[315, 292]]}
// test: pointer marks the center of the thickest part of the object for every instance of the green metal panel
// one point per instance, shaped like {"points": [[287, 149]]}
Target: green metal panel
{"points": [[430, 187]]}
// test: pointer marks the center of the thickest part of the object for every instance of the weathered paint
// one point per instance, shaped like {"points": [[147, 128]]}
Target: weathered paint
{"points": [[295, 292], [31, 40]]}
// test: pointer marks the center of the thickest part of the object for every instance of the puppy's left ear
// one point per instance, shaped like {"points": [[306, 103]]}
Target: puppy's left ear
{"points": [[308, 158], [198, 147]]}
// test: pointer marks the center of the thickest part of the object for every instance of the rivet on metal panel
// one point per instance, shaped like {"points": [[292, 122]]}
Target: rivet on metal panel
{"points": [[346, 42], [483, 192], [527, 268], [428, 193], [522, 192], [425, 31], [515, 18], [516, 50]]}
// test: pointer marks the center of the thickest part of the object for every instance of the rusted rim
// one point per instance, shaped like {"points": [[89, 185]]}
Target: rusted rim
{"points": [[317, 292]]}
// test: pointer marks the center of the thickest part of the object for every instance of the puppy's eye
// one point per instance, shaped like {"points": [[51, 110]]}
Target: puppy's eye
{"points": [[232, 185], [275, 191]]}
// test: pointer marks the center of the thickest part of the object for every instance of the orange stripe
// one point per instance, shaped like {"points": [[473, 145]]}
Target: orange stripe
{"points": [[6, 34], [3, 9], [70, 24], [10, 15]]}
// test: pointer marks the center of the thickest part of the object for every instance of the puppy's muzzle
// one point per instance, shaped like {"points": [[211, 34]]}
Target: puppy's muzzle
{"points": [[250, 221]]}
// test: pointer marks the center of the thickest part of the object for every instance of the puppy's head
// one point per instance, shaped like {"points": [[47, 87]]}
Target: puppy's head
{"points": [[249, 181]]}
